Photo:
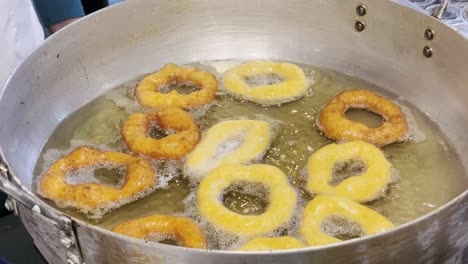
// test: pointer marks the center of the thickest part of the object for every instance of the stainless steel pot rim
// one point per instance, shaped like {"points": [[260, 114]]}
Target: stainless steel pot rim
{"points": [[401, 228], [462, 197]]}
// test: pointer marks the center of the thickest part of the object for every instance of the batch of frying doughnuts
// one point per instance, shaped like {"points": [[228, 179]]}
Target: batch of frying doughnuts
{"points": [[215, 169]]}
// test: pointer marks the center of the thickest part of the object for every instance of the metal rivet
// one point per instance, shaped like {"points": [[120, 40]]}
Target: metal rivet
{"points": [[9, 205], [359, 26], [429, 34], [427, 51], [73, 259], [361, 10]]}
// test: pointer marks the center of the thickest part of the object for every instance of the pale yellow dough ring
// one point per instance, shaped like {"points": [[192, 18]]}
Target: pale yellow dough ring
{"points": [[324, 206], [362, 188], [271, 243], [294, 86], [281, 203], [255, 135]]}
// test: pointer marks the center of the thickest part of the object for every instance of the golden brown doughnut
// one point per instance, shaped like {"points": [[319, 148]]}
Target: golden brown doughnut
{"points": [[93, 197], [188, 233], [135, 133], [334, 124], [149, 95]]}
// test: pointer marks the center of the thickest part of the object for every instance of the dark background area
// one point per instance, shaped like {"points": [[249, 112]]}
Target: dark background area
{"points": [[16, 246], [90, 6]]}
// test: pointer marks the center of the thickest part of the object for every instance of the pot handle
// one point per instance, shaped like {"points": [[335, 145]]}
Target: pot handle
{"points": [[14, 189], [439, 12], [12, 186]]}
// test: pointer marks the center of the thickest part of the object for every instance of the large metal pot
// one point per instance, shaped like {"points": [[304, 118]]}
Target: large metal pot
{"points": [[387, 46]]}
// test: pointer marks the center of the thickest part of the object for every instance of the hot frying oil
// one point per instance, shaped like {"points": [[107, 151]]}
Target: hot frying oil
{"points": [[430, 172]]}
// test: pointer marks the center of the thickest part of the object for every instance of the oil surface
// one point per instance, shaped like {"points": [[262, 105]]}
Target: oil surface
{"points": [[430, 173]]}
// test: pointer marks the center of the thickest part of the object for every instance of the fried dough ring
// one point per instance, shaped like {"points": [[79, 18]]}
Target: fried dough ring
{"points": [[324, 206], [93, 197], [135, 133], [334, 124], [281, 206], [255, 135], [361, 188], [271, 243], [292, 88], [148, 94], [187, 232]]}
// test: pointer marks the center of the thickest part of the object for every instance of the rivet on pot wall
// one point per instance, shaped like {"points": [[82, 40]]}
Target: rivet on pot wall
{"points": [[361, 10], [429, 34], [427, 51], [359, 26]]}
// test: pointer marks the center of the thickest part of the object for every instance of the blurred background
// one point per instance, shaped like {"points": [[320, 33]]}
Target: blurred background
{"points": [[455, 16]]}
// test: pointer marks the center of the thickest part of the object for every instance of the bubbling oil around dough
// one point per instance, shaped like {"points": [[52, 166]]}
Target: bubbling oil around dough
{"points": [[429, 171]]}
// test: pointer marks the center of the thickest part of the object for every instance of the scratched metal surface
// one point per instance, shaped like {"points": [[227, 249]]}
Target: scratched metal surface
{"points": [[45, 235]]}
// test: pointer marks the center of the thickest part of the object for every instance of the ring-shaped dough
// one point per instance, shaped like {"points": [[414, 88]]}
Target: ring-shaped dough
{"points": [[135, 133], [281, 203], [148, 94], [93, 197], [243, 140], [271, 243], [362, 188], [324, 206], [334, 124], [293, 87], [187, 232]]}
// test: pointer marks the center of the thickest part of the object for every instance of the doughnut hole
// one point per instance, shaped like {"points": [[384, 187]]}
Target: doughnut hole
{"points": [[364, 116], [230, 145], [185, 87], [164, 238], [345, 169], [341, 228], [263, 79], [246, 198], [156, 132], [105, 173]]}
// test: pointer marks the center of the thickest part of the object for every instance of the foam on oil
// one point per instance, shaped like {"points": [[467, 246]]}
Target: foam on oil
{"points": [[427, 169]]}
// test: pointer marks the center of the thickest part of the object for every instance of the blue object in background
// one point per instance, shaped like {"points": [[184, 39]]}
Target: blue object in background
{"points": [[3, 261], [54, 11], [111, 2]]}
